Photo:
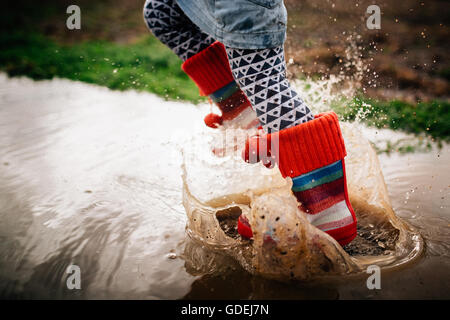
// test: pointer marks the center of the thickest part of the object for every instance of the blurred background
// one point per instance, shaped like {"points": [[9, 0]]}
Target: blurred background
{"points": [[79, 183], [402, 70]]}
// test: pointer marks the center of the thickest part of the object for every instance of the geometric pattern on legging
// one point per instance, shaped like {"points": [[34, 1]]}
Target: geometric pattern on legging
{"points": [[171, 26], [261, 74]]}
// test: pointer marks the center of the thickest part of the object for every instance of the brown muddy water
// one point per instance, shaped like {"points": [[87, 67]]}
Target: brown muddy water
{"points": [[93, 178]]}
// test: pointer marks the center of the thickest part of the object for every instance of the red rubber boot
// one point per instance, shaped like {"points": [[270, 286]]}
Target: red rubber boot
{"points": [[210, 70], [312, 154]]}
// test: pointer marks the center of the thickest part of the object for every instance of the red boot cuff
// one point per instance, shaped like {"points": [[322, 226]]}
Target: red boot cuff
{"points": [[309, 146], [209, 69]]}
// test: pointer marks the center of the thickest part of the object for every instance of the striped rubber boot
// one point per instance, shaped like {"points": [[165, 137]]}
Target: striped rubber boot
{"points": [[312, 154], [210, 70]]}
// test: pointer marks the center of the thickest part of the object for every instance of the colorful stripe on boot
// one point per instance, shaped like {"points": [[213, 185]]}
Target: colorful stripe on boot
{"points": [[312, 155], [231, 100], [225, 92], [322, 195]]}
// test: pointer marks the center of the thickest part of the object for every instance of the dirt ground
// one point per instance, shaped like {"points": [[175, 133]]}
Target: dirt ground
{"points": [[406, 59]]}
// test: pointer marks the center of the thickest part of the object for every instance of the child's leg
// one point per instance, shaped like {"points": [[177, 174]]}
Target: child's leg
{"points": [[310, 150], [205, 61], [171, 26], [261, 74]]}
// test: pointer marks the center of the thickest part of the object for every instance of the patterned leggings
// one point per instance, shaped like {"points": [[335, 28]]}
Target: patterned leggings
{"points": [[260, 73]]}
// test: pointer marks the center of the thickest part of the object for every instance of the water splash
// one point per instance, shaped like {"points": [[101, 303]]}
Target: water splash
{"points": [[320, 93], [229, 187]]}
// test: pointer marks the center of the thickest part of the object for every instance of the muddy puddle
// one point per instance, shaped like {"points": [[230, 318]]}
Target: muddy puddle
{"points": [[230, 187], [93, 177]]}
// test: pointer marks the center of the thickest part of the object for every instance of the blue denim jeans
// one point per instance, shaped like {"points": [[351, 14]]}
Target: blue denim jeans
{"points": [[243, 24]]}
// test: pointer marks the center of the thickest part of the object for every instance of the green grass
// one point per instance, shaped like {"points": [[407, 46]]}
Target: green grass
{"points": [[145, 65], [148, 65], [431, 118]]}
